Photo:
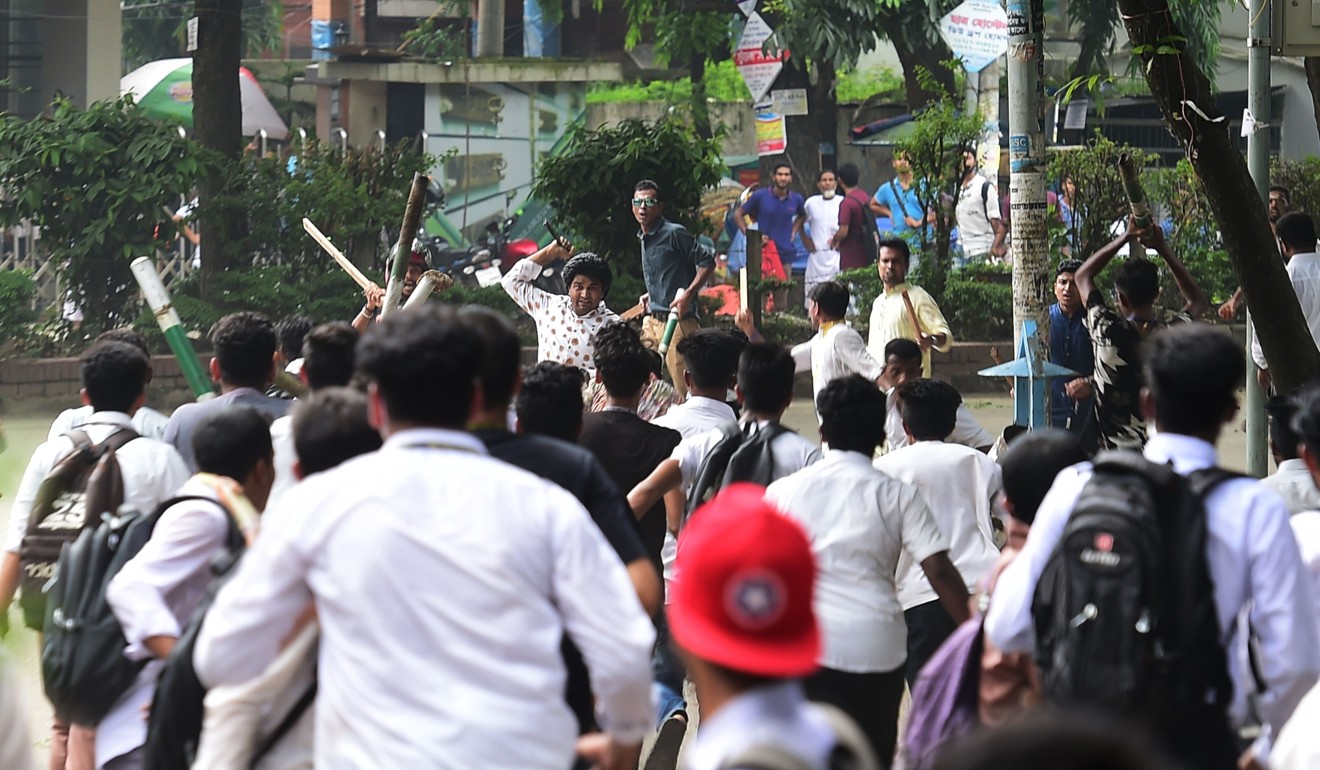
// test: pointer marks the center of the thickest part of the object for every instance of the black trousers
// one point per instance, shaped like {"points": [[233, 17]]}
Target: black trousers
{"points": [[928, 625], [871, 699]]}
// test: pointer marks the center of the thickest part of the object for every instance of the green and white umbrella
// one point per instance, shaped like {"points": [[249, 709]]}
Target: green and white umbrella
{"points": [[164, 88]]}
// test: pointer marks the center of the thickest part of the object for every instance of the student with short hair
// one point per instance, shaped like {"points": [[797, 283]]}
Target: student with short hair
{"points": [[146, 421], [903, 364], [244, 365], [549, 403], [711, 360], [1192, 374], [837, 350], [863, 525], [1291, 479], [964, 489], [326, 361], [114, 378], [330, 427], [157, 591], [432, 509]]}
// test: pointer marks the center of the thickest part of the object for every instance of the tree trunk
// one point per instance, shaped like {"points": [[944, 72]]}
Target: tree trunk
{"points": [[822, 104], [802, 149], [913, 54], [700, 110], [218, 125], [1175, 81], [1312, 64]]}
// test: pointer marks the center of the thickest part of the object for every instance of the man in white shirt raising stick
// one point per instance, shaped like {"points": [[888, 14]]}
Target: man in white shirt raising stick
{"points": [[444, 581]]}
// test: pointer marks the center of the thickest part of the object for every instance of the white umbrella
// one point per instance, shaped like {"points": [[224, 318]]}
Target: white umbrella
{"points": [[164, 88]]}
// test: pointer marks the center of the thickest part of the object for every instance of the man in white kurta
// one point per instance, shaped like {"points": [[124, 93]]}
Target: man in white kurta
{"points": [[894, 310]]}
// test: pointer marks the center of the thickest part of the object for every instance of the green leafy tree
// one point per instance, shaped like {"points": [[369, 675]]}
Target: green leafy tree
{"points": [[591, 183], [350, 195], [1096, 23], [1177, 84], [95, 180], [1099, 201], [935, 149], [153, 29]]}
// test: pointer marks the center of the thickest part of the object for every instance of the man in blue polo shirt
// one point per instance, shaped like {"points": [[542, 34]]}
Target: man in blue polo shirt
{"points": [[672, 259], [778, 211]]}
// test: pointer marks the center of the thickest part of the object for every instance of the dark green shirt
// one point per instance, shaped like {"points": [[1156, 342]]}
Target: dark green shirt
{"points": [[671, 257]]}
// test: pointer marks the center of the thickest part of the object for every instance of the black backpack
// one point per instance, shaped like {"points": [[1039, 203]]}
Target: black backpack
{"points": [[742, 454], [1124, 611], [174, 725], [82, 654], [83, 485]]}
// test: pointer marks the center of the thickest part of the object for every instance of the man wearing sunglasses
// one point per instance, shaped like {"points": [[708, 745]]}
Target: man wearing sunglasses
{"points": [[672, 259]]}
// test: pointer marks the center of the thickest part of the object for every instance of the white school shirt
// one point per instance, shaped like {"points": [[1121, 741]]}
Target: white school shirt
{"points": [[859, 521], [963, 488], [1294, 484], [973, 216], [696, 416], [966, 430], [146, 421], [837, 352], [1304, 274], [152, 470], [444, 581], [155, 594], [775, 714], [241, 717], [561, 334], [1253, 557], [281, 440]]}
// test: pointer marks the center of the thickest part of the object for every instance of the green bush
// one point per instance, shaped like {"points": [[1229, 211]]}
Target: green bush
{"points": [[16, 291]]}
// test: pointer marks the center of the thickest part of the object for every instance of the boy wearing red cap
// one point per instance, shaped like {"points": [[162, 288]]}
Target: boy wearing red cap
{"points": [[741, 615]]}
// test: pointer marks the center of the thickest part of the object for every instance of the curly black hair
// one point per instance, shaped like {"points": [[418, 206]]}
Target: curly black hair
{"points": [[591, 266], [550, 402]]}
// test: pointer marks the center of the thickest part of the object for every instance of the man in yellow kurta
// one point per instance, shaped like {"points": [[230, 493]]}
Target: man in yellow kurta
{"points": [[894, 311]]}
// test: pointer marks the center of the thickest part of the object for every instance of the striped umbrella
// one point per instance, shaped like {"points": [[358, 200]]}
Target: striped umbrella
{"points": [[164, 88]]}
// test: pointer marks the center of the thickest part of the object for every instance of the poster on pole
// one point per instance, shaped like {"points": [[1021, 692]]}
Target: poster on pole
{"points": [[758, 68], [977, 32], [771, 134]]}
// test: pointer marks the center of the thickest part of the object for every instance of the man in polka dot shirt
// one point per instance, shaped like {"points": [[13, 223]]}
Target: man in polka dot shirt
{"points": [[566, 324]]}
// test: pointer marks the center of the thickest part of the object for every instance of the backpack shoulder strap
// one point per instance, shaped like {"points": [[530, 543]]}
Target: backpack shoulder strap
{"points": [[1205, 481], [80, 439], [766, 757], [711, 472], [117, 440], [852, 750]]}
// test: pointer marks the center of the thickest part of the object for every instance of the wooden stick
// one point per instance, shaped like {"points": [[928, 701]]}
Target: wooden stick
{"points": [[412, 218], [912, 313], [632, 312], [744, 300], [336, 254]]}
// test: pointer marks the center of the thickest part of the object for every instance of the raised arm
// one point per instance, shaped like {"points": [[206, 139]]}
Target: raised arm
{"points": [[517, 283], [665, 478], [1196, 302], [1096, 263]]}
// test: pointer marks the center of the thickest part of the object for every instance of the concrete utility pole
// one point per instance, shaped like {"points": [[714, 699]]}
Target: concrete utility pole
{"points": [[490, 28], [1258, 162], [1027, 165]]}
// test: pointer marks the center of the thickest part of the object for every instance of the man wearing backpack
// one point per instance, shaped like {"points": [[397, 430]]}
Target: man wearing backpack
{"points": [[743, 620], [855, 239], [981, 230], [114, 378], [444, 582], [156, 592], [1212, 560]]}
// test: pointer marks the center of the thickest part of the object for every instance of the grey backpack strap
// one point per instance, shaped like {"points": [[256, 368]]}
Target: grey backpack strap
{"points": [[852, 751]]}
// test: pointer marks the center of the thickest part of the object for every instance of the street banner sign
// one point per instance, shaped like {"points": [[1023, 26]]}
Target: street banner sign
{"points": [[976, 32], [758, 69]]}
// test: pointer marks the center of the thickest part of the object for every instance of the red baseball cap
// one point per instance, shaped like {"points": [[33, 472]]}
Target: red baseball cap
{"points": [[743, 595]]}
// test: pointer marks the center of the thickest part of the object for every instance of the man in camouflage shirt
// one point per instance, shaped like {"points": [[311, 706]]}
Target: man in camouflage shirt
{"points": [[1116, 334]]}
